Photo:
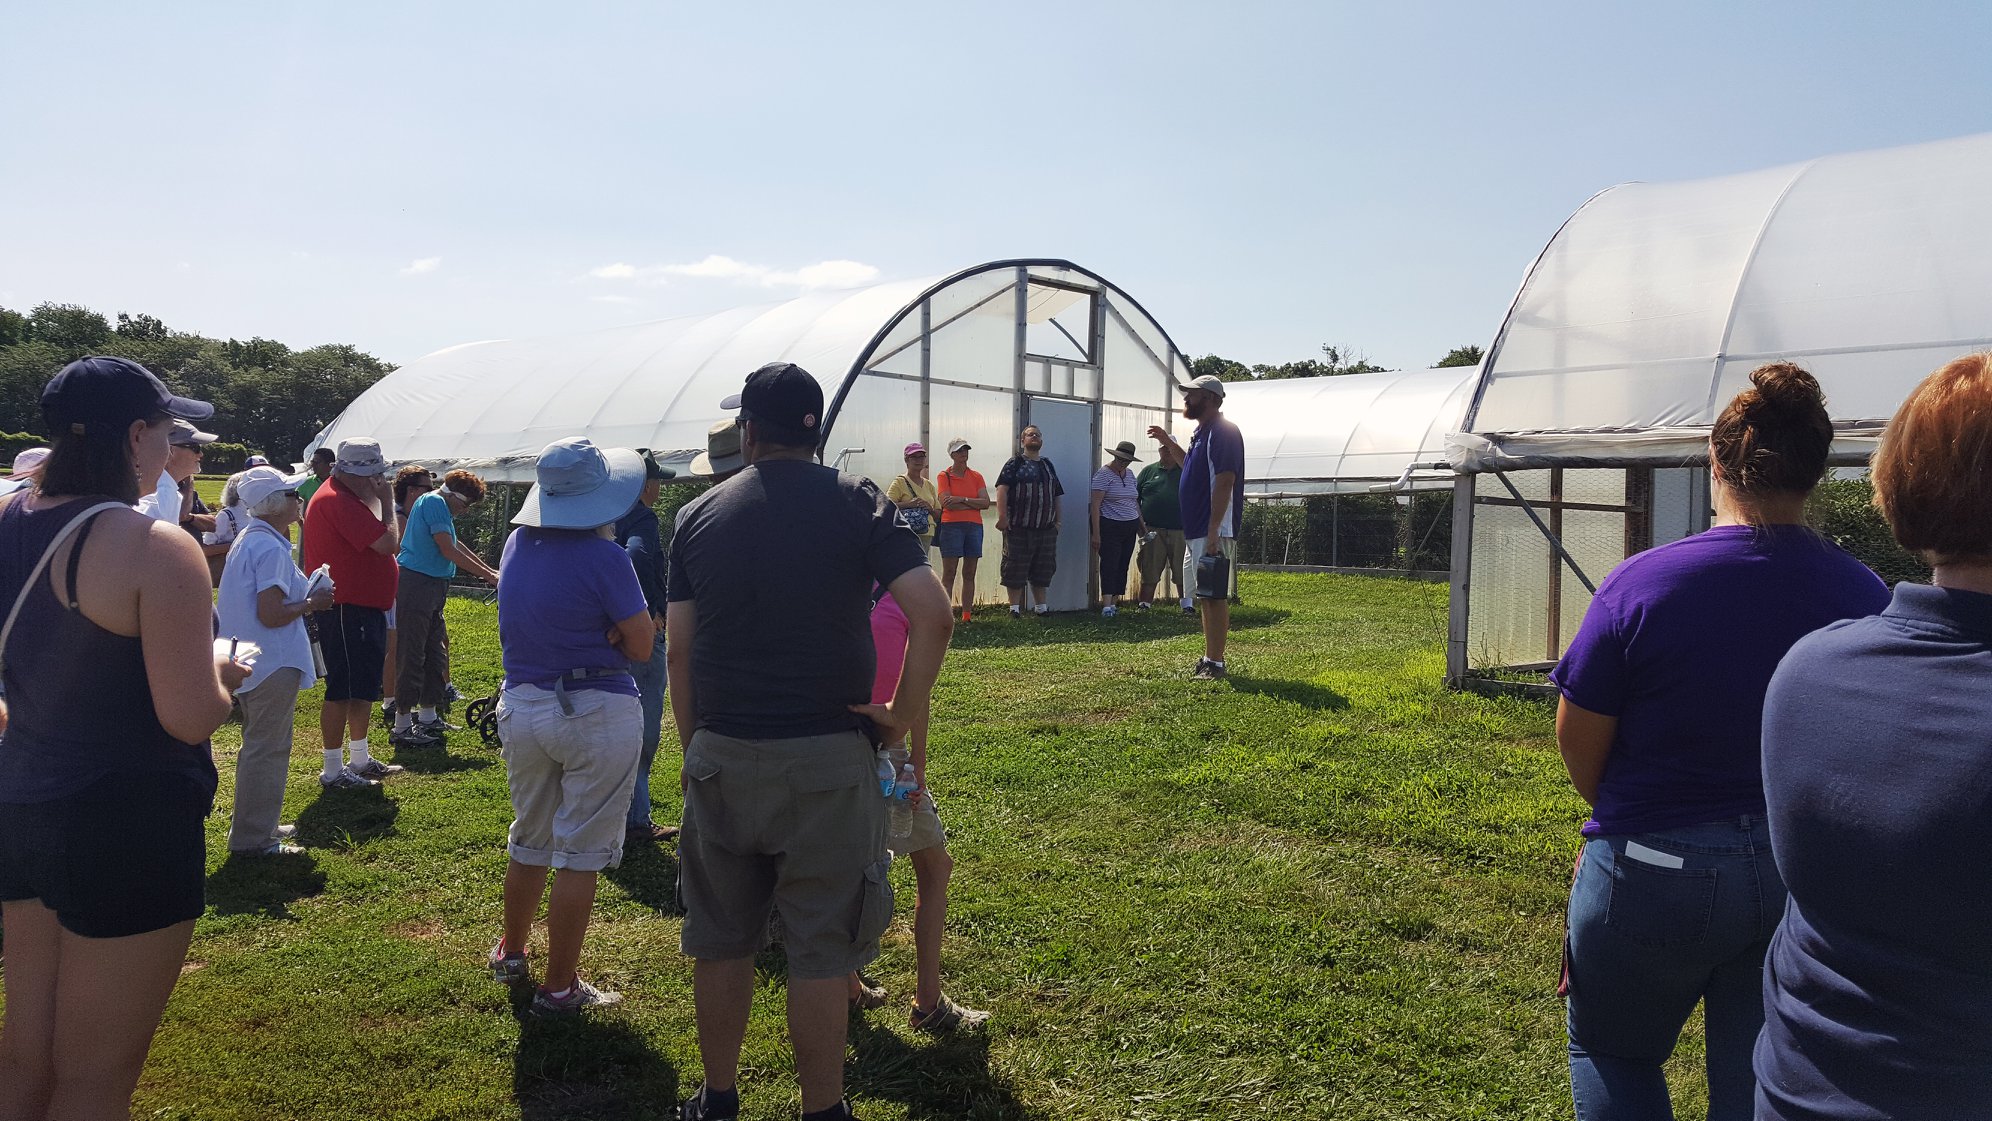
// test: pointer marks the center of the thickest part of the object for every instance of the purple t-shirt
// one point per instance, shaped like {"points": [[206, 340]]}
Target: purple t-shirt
{"points": [[560, 591], [1679, 644]]}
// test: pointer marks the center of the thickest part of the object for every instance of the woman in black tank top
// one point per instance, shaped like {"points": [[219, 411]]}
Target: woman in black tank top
{"points": [[105, 772]]}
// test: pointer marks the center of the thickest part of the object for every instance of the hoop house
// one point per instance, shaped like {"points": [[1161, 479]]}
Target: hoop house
{"points": [[977, 355], [1586, 438], [1350, 434]]}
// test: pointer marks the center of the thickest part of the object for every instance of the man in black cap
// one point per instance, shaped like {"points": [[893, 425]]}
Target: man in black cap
{"points": [[771, 662]]}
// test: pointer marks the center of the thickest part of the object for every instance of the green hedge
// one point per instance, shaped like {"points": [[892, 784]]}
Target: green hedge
{"points": [[1843, 511], [14, 443]]}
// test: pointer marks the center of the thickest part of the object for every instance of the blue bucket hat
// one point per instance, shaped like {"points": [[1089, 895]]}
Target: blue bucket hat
{"points": [[581, 486]]}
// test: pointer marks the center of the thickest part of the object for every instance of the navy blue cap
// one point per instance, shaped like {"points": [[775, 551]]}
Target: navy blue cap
{"points": [[112, 392], [783, 394]]}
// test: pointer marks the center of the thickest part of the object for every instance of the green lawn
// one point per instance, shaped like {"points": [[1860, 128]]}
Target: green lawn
{"points": [[1323, 888]]}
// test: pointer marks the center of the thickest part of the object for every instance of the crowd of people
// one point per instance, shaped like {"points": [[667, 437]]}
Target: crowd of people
{"points": [[1771, 743]]}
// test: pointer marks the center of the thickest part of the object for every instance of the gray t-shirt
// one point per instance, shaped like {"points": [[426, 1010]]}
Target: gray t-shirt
{"points": [[781, 560]]}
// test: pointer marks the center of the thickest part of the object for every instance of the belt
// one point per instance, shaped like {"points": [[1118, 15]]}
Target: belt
{"points": [[560, 684]]}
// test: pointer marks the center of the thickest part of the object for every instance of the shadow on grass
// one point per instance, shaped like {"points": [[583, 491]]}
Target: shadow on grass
{"points": [[263, 885], [945, 1077], [649, 875], [345, 819], [1304, 694], [435, 761], [587, 1066], [993, 629]]}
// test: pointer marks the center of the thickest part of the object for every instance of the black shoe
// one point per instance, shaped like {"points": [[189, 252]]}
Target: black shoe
{"points": [[414, 736], [695, 1108], [1208, 670]]}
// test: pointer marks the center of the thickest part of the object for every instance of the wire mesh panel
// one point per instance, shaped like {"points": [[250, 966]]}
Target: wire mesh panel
{"points": [[1350, 531]]}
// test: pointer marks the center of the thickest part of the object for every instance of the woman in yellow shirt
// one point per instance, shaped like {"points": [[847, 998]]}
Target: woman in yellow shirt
{"points": [[914, 494]]}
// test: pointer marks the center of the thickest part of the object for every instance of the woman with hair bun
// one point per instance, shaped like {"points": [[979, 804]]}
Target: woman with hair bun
{"points": [[1878, 778], [1676, 893]]}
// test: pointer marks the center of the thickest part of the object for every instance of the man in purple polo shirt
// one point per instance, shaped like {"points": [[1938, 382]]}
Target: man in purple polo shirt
{"points": [[1213, 499]]}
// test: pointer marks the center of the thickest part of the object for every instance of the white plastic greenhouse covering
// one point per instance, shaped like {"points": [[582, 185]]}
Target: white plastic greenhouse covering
{"points": [[1645, 315], [1649, 309], [969, 355], [1349, 434]]}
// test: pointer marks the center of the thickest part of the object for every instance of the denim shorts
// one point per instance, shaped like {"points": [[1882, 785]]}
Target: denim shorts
{"points": [[960, 539]]}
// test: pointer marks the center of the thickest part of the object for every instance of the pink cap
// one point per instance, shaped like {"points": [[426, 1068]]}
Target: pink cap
{"points": [[913, 449]]}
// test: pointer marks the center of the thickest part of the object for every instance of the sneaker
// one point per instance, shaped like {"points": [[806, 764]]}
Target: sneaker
{"points": [[283, 832], [964, 615], [414, 736], [1143, 605], [346, 779], [1208, 670], [450, 694], [438, 726], [697, 1108], [507, 969], [581, 995], [274, 848], [1043, 609], [1016, 612], [376, 770], [387, 708], [1189, 609], [1109, 611]]}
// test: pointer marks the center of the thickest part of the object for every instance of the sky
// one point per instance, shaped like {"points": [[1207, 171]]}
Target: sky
{"points": [[1263, 178]]}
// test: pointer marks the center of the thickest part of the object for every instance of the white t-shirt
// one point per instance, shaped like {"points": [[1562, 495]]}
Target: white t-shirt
{"points": [[259, 559], [164, 502]]}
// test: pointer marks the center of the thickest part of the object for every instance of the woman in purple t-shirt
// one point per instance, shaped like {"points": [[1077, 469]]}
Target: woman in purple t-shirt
{"points": [[1676, 894]]}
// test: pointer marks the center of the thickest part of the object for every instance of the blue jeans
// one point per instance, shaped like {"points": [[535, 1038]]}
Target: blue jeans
{"points": [[650, 679], [1659, 922]]}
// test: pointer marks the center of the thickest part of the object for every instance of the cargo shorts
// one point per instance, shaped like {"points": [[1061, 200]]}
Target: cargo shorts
{"points": [[792, 825]]}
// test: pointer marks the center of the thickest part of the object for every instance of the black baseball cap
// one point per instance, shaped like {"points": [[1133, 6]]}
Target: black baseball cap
{"points": [[782, 394], [652, 468], [111, 392]]}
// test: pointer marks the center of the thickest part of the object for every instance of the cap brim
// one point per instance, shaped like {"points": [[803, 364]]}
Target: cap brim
{"points": [[186, 408], [731, 403], [598, 507]]}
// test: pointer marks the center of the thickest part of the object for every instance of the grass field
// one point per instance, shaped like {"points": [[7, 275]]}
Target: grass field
{"points": [[1323, 888]]}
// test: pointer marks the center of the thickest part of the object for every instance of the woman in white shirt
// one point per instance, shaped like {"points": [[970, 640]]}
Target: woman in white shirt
{"points": [[263, 601], [1116, 523]]}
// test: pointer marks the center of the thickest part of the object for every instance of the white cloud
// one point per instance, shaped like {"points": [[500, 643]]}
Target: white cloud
{"points": [[823, 274], [615, 299], [421, 265]]}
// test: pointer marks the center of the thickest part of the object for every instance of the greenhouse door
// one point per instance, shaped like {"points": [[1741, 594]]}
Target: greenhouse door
{"points": [[1068, 442]]}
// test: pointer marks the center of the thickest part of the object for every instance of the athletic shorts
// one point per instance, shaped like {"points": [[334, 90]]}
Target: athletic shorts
{"points": [[791, 825], [959, 539], [125, 855], [354, 639]]}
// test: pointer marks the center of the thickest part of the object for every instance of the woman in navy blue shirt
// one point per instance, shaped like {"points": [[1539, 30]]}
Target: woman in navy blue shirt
{"points": [[1878, 775], [1676, 894]]}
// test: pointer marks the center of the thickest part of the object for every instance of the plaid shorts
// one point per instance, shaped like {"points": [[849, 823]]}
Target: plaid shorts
{"points": [[1030, 556]]}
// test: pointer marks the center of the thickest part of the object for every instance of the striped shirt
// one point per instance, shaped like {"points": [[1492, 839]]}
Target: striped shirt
{"points": [[1120, 501]]}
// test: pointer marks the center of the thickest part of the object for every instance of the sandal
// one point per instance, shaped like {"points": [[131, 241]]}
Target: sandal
{"points": [[870, 995], [945, 1016]]}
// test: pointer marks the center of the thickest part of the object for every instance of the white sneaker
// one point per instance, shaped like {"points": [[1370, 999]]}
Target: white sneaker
{"points": [[1109, 611], [1043, 609]]}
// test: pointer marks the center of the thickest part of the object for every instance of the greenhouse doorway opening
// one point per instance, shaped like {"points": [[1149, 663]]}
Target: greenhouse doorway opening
{"points": [[1067, 427]]}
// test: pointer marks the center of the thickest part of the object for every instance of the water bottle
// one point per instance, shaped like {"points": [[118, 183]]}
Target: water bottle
{"points": [[903, 793], [887, 778]]}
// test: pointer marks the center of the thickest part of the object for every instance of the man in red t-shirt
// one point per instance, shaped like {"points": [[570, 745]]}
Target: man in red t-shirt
{"points": [[350, 527]]}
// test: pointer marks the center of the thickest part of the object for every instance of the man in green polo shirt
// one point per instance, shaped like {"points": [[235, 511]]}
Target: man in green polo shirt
{"points": [[1162, 551]]}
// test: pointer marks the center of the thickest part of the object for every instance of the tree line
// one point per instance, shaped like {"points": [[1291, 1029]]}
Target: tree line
{"points": [[1334, 361], [267, 397]]}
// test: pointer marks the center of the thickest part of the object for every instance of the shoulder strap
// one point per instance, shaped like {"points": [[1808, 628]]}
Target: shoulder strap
{"points": [[41, 565]]}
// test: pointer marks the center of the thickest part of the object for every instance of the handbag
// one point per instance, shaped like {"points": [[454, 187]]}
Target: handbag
{"points": [[917, 520]]}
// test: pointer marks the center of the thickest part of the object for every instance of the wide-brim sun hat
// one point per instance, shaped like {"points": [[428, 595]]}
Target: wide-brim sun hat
{"points": [[1123, 450], [722, 454], [581, 486]]}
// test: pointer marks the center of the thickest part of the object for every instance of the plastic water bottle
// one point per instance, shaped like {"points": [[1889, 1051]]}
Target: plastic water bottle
{"points": [[886, 778], [903, 793]]}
